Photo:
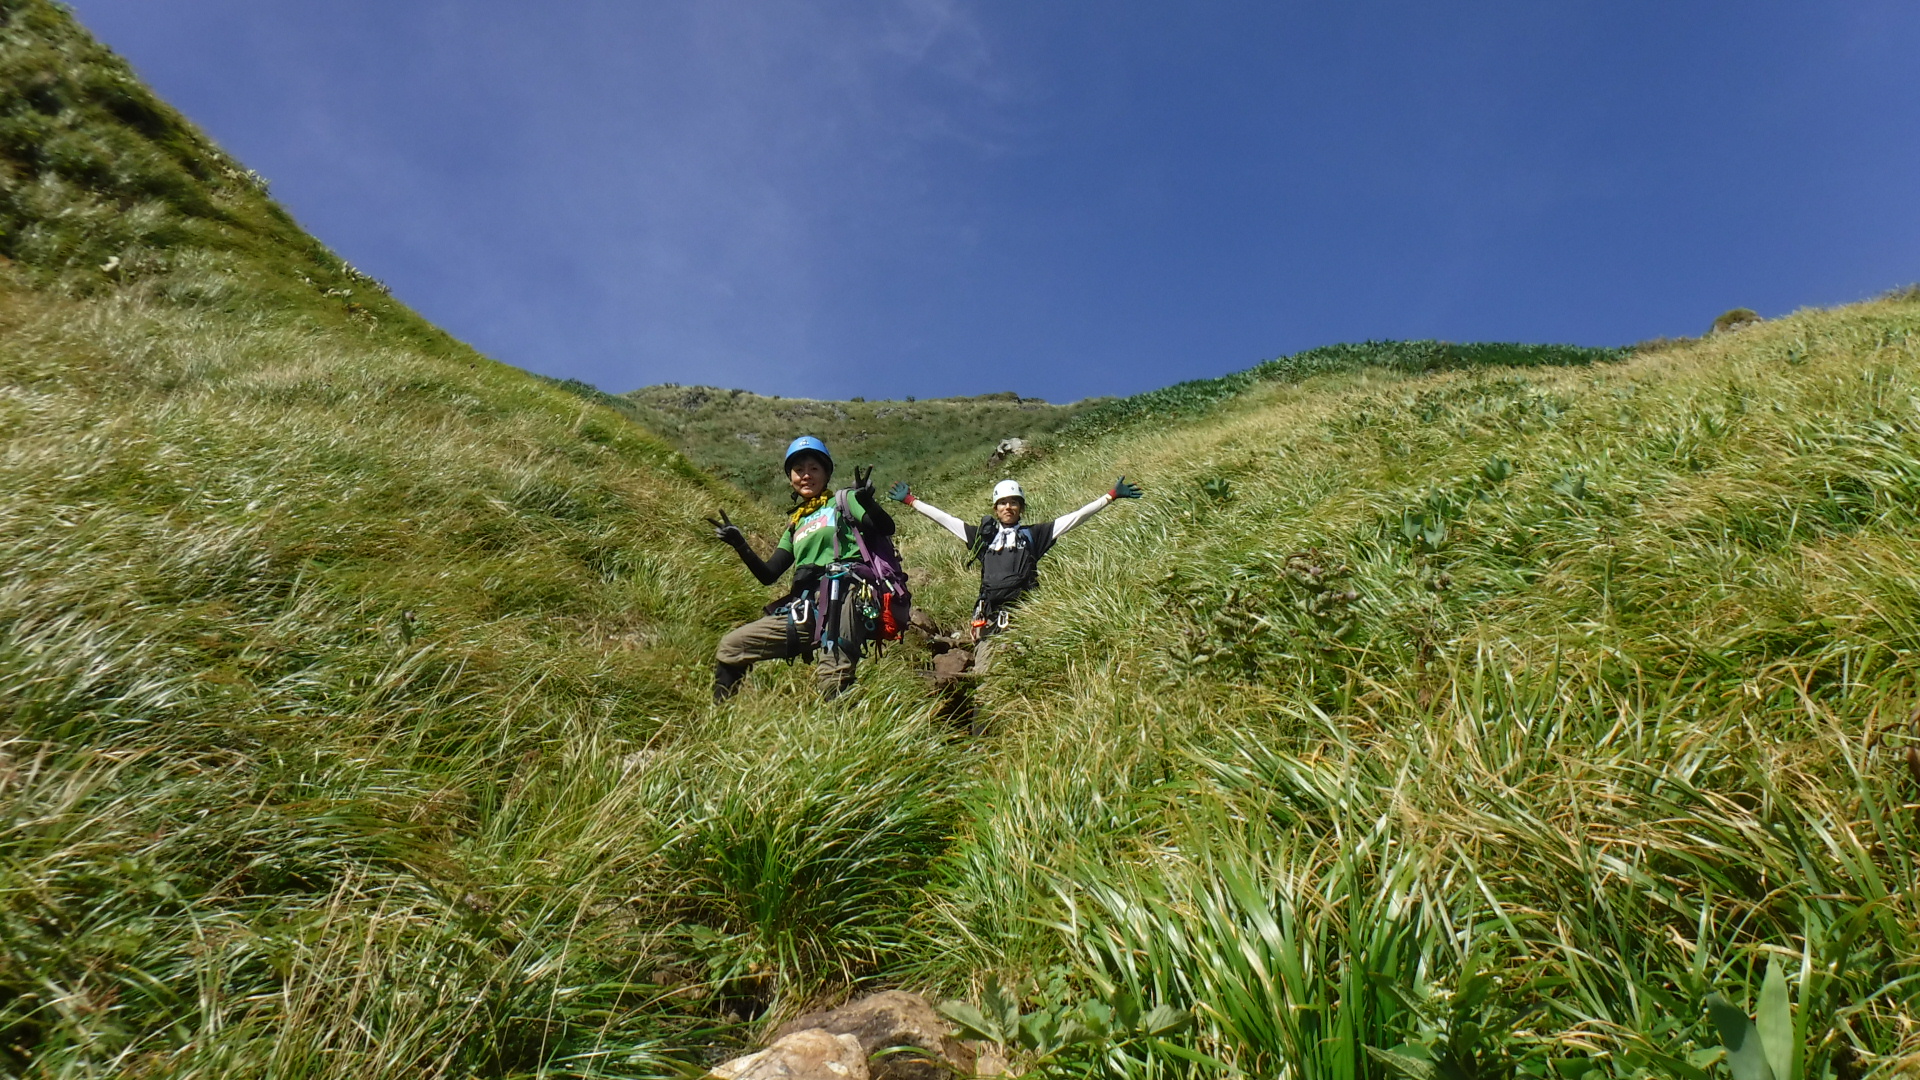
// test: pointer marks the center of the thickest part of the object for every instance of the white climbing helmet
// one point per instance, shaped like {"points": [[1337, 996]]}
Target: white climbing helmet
{"points": [[1009, 489]]}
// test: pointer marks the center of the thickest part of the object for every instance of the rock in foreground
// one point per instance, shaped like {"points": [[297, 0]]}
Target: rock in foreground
{"points": [[804, 1055], [913, 1041]]}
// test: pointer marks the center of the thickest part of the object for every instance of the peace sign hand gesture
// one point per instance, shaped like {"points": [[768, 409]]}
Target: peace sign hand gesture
{"points": [[726, 531]]}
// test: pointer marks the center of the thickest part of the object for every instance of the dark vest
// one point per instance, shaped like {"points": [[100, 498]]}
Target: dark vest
{"points": [[1010, 573]]}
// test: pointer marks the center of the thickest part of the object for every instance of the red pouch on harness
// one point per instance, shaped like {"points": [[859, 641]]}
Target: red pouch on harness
{"points": [[891, 623]]}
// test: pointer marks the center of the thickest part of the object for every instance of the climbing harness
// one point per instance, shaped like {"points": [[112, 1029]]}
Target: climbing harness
{"points": [[798, 612], [989, 620]]}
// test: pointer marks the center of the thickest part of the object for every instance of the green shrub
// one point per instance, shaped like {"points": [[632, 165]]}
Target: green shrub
{"points": [[810, 836]]}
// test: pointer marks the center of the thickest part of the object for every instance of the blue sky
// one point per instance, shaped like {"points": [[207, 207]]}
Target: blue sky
{"points": [[1064, 199]]}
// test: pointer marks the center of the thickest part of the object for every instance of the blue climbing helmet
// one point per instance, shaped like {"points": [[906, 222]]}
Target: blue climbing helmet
{"points": [[806, 444]]}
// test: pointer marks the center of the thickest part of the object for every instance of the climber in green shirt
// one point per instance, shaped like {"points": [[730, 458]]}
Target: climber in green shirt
{"points": [[798, 624]]}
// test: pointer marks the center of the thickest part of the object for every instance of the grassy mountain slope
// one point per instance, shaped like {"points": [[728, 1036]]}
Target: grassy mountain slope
{"points": [[1498, 716], [1195, 397], [735, 433], [739, 436], [352, 722], [104, 189], [329, 650]]}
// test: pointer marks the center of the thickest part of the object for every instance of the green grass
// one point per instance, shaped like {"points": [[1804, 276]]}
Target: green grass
{"points": [[325, 616], [105, 190], [805, 838], [1195, 397], [1482, 709], [1587, 678], [943, 441], [740, 436], [319, 636]]}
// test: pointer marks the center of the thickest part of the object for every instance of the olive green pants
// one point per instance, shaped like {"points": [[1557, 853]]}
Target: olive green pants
{"points": [[767, 638]]}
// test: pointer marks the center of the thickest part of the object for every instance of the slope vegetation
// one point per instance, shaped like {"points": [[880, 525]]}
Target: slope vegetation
{"points": [[739, 436], [1489, 719], [1195, 397], [328, 648], [735, 434], [352, 689]]}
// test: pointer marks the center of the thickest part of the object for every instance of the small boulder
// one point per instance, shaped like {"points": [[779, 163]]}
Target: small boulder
{"points": [[811, 1054], [923, 622], [1008, 448], [951, 666], [895, 1019]]}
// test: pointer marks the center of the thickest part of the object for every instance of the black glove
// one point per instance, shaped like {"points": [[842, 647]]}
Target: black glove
{"points": [[1124, 490], [899, 492], [878, 522], [726, 531]]}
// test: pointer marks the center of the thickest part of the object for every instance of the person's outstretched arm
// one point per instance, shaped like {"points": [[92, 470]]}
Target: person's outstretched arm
{"points": [[766, 570], [874, 517], [1121, 490], [900, 493]]}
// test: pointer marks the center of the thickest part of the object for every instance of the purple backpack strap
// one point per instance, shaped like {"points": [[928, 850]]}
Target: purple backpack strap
{"points": [[859, 535]]}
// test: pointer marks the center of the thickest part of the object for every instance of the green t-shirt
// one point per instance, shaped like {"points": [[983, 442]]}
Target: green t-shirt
{"points": [[811, 540]]}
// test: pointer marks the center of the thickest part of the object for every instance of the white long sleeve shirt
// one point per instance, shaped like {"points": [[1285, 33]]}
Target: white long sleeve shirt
{"points": [[1010, 556]]}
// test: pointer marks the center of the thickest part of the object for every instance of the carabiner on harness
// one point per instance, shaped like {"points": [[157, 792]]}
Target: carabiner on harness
{"points": [[990, 619], [799, 613], [837, 591]]}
